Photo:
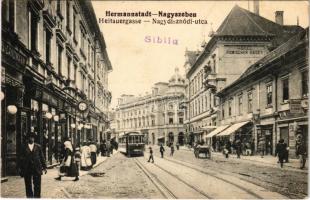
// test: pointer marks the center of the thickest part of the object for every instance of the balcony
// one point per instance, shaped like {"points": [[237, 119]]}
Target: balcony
{"points": [[60, 33], [69, 46]]}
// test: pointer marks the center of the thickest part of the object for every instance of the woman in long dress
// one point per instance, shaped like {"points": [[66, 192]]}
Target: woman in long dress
{"points": [[85, 158], [68, 167]]}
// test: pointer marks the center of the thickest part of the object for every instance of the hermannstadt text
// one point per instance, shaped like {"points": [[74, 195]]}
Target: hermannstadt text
{"points": [[162, 18]]}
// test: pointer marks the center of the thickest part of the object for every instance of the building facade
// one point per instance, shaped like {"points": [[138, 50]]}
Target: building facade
{"points": [[157, 115], [242, 39], [270, 100], [53, 58]]}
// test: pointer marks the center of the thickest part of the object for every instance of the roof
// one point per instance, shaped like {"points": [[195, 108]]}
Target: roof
{"points": [[192, 56], [291, 44], [243, 23]]}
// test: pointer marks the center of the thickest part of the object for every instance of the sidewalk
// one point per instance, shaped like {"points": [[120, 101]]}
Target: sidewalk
{"points": [[50, 188], [268, 160]]}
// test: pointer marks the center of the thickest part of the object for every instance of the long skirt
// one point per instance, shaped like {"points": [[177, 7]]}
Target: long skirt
{"points": [[93, 157]]}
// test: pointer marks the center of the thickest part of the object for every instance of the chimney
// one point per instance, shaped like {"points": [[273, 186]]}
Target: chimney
{"points": [[279, 17], [256, 6]]}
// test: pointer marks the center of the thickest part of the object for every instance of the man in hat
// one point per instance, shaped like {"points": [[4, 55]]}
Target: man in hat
{"points": [[31, 163]]}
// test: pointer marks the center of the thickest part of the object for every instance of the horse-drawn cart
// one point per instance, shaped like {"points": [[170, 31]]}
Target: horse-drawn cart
{"points": [[202, 149]]}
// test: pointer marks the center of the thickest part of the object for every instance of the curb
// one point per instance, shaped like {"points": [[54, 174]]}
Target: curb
{"points": [[52, 166], [4, 179]]}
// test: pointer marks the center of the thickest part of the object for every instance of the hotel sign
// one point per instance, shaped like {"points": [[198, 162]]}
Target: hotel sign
{"points": [[242, 49], [295, 106], [13, 53]]}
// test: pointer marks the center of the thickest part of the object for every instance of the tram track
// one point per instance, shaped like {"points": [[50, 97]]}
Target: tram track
{"points": [[165, 191], [186, 164], [163, 188]]}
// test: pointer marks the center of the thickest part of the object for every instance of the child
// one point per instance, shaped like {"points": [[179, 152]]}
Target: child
{"points": [[151, 155]]}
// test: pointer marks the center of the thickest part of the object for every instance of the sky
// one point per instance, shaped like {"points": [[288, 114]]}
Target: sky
{"points": [[138, 64]]}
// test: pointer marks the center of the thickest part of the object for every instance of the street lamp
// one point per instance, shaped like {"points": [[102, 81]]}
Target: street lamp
{"points": [[12, 109], [56, 118], [1, 95], [48, 115]]}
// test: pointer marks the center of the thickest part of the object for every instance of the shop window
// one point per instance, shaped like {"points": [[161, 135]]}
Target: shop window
{"points": [[304, 82], [269, 94], [285, 90], [250, 102]]}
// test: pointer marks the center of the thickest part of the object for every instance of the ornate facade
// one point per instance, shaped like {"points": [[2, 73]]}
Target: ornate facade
{"points": [[53, 57], [157, 115], [242, 39]]}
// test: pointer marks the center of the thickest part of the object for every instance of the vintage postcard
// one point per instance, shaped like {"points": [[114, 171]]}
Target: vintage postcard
{"points": [[154, 99]]}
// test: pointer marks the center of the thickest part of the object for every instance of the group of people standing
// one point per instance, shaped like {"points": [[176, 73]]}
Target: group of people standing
{"points": [[31, 163], [73, 160]]}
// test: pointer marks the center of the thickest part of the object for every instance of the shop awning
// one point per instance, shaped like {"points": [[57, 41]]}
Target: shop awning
{"points": [[160, 138], [232, 128], [217, 131]]}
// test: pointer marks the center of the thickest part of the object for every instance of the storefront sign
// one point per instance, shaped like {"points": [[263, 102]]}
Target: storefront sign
{"points": [[13, 53], [295, 106]]}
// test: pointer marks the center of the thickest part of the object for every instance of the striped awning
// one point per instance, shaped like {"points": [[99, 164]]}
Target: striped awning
{"points": [[216, 131], [233, 128]]}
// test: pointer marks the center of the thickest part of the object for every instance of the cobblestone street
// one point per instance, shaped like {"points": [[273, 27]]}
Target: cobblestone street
{"points": [[120, 177]]}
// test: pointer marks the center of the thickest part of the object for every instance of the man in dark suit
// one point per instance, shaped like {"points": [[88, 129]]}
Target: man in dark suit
{"points": [[31, 164]]}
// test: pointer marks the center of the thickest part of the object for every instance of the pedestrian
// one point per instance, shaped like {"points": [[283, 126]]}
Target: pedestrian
{"points": [[252, 145], [301, 151], [77, 158], [68, 165], [162, 150], [31, 163], [108, 144], [111, 146], [85, 157], [238, 148], [178, 146], [103, 148], [93, 153], [171, 149], [286, 153], [248, 149], [262, 146], [280, 151], [226, 149], [151, 155]]}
